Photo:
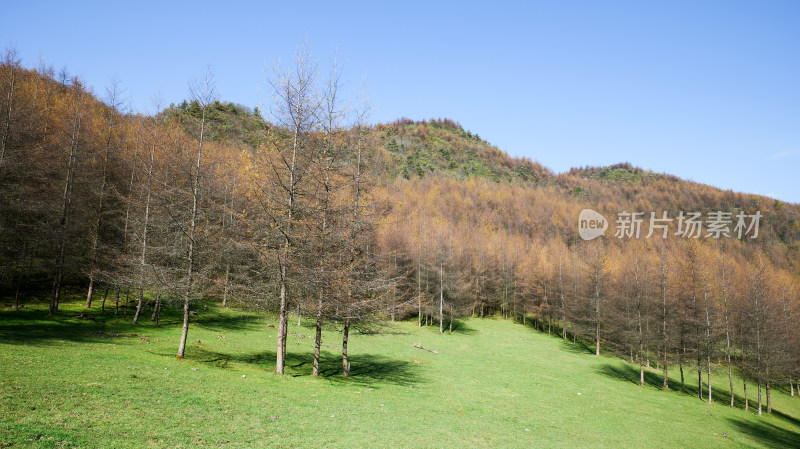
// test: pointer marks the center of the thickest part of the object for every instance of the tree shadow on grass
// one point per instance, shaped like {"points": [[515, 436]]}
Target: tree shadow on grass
{"points": [[461, 327], [630, 374], [365, 369], [225, 322], [35, 327], [578, 347], [720, 395], [767, 434]]}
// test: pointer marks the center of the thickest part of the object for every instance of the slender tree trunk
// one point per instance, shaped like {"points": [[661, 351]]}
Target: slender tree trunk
{"points": [[759, 394], [227, 284], [139, 304], [282, 319], [345, 363], [96, 231], [451, 318], [156, 308], [441, 298], [283, 314], [105, 295], [730, 376], [318, 335], [65, 206], [680, 363], [91, 285], [769, 397], [699, 377], [187, 296], [143, 258], [708, 342], [16, 293], [744, 386], [419, 278], [597, 307]]}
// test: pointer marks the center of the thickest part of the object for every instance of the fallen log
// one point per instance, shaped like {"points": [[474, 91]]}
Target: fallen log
{"points": [[425, 349]]}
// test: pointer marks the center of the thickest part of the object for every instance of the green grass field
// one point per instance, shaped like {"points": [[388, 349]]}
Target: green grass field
{"points": [[103, 383]]}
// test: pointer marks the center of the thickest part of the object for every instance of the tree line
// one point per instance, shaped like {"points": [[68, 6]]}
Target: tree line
{"points": [[166, 209], [476, 247]]}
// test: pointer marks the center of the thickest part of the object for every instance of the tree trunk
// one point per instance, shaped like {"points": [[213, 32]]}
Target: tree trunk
{"points": [[156, 309], [65, 204], [227, 283], [19, 283], [744, 386], [95, 233], [143, 258], [282, 321], [105, 295], [345, 363], [759, 394], [769, 397], [91, 287], [441, 298], [184, 330], [138, 306], [318, 335], [187, 296], [451, 318]]}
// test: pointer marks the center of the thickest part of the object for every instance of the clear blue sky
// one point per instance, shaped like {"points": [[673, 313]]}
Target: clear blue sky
{"points": [[708, 91]]}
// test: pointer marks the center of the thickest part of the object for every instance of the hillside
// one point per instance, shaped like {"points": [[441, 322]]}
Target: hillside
{"points": [[442, 146], [205, 211], [72, 382]]}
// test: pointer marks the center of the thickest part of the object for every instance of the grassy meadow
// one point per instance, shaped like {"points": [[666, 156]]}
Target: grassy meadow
{"points": [[99, 382]]}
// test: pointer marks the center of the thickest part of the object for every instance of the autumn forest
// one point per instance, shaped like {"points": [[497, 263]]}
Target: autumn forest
{"points": [[313, 212]]}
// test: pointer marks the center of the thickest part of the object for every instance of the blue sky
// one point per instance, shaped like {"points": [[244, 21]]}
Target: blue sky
{"points": [[708, 91]]}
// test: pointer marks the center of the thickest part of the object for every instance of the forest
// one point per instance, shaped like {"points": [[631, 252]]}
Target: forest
{"points": [[319, 213]]}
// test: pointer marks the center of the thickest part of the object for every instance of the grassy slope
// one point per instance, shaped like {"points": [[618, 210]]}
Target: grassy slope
{"points": [[70, 382]]}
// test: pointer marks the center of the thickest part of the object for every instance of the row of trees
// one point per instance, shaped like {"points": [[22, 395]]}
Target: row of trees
{"points": [[476, 247], [167, 209]]}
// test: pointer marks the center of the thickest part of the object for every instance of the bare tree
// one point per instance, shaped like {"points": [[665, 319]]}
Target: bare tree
{"points": [[146, 220], [204, 93], [74, 140], [113, 103], [296, 111]]}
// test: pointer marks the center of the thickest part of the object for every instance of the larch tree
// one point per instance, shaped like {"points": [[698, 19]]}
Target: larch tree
{"points": [[296, 108], [204, 92], [73, 142], [113, 104]]}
